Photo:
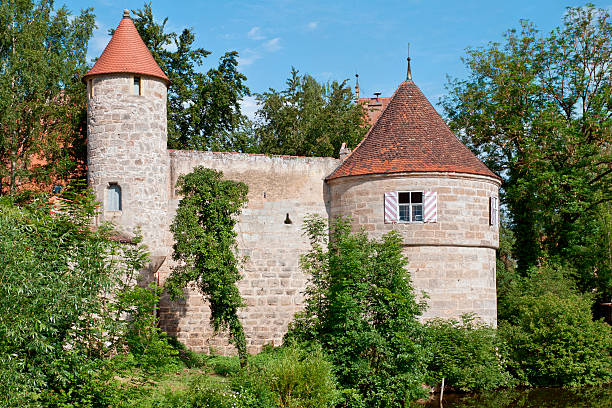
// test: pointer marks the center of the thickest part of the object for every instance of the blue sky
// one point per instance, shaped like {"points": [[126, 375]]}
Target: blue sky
{"points": [[336, 39]]}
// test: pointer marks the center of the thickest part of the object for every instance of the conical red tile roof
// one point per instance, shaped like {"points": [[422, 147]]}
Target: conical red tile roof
{"points": [[126, 53], [410, 136]]}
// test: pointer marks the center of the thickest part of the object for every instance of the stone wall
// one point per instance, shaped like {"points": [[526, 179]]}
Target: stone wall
{"points": [[452, 260], [126, 146], [272, 283]]}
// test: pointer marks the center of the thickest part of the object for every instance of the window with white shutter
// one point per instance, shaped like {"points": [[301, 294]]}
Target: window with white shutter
{"points": [[431, 206], [410, 206], [391, 208]]}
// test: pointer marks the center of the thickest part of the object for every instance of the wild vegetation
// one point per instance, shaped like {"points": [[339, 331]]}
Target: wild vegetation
{"points": [[78, 326], [205, 243]]}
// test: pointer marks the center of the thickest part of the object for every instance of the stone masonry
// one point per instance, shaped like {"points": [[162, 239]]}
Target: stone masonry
{"points": [[408, 148], [453, 259]]}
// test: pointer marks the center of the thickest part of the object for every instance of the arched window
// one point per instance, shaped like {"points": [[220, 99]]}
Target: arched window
{"points": [[113, 201]]}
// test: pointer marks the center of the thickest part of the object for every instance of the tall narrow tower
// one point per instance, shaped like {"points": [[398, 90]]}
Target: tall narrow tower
{"points": [[127, 157]]}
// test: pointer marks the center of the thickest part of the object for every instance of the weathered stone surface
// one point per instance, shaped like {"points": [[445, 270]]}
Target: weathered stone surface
{"points": [[453, 260]]}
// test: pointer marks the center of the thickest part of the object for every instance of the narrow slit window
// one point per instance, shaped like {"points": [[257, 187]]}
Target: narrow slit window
{"points": [[113, 198], [137, 86]]}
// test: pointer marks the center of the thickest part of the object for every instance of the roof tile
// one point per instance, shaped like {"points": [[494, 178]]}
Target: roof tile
{"points": [[126, 53], [410, 136]]}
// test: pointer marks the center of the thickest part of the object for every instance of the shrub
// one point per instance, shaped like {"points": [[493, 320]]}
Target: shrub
{"points": [[554, 341], [361, 309], [294, 377], [467, 353]]}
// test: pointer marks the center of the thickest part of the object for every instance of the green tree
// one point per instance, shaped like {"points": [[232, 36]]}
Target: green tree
{"points": [[204, 247], [361, 309], [57, 315], [203, 108], [537, 109], [42, 57], [308, 118]]}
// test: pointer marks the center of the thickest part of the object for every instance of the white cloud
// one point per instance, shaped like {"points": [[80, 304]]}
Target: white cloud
{"points": [[249, 106], [272, 45], [312, 25], [248, 57], [255, 34]]}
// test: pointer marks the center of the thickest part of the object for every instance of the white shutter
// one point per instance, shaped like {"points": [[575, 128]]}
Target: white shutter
{"points": [[391, 208], [493, 211], [430, 204]]}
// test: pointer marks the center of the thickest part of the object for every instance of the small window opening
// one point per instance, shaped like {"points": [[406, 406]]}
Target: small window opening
{"points": [[288, 220], [137, 86], [410, 206], [113, 197], [90, 88]]}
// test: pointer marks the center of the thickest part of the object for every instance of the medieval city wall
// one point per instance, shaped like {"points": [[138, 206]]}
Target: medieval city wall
{"points": [[272, 284], [453, 259]]}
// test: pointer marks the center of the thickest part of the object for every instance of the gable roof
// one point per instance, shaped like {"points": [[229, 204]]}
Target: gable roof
{"points": [[126, 53], [374, 107], [410, 136]]}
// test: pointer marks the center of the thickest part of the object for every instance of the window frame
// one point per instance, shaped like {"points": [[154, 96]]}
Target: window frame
{"points": [[410, 206], [137, 78], [117, 188]]}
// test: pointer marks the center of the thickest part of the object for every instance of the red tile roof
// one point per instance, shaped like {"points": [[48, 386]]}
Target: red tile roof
{"points": [[374, 107], [126, 53], [410, 136]]}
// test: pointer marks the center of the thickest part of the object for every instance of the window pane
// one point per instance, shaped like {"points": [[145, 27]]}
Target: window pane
{"points": [[404, 213], [114, 198], [136, 85], [403, 198], [417, 198], [417, 212]]}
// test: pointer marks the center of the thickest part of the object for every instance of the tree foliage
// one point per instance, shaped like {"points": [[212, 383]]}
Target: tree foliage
{"points": [[205, 241], [42, 58], [203, 108], [468, 354], [66, 295], [537, 109], [361, 309], [308, 118]]}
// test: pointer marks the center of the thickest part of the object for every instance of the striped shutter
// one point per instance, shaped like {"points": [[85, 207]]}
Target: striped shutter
{"points": [[493, 211], [391, 208], [430, 204]]}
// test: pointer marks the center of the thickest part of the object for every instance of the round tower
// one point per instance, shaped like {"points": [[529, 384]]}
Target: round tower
{"points": [[127, 157], [411, 174]]}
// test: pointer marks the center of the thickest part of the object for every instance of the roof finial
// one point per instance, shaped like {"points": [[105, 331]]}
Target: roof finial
{"points": [[357, 88], [408, 73], [126, 13]]}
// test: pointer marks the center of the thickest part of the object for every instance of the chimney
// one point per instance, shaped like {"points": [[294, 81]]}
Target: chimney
{"points": [[344, 151]]}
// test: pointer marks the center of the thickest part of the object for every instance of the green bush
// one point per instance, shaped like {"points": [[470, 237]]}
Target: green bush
{"points": [[292, 376], [554, 341], [69, 300], [468, 354], [361, 310], [285, 377]]}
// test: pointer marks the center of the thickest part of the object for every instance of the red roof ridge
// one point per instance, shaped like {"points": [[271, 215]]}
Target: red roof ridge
{"points": [[410, 136], [126, 53], [364, 138]]}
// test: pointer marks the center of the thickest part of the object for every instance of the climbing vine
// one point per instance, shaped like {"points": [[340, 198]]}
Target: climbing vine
{"points": [[205, 243]]}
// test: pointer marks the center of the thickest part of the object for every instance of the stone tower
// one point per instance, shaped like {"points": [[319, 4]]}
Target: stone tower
{"points": [[411, 174], [127, 157]]}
